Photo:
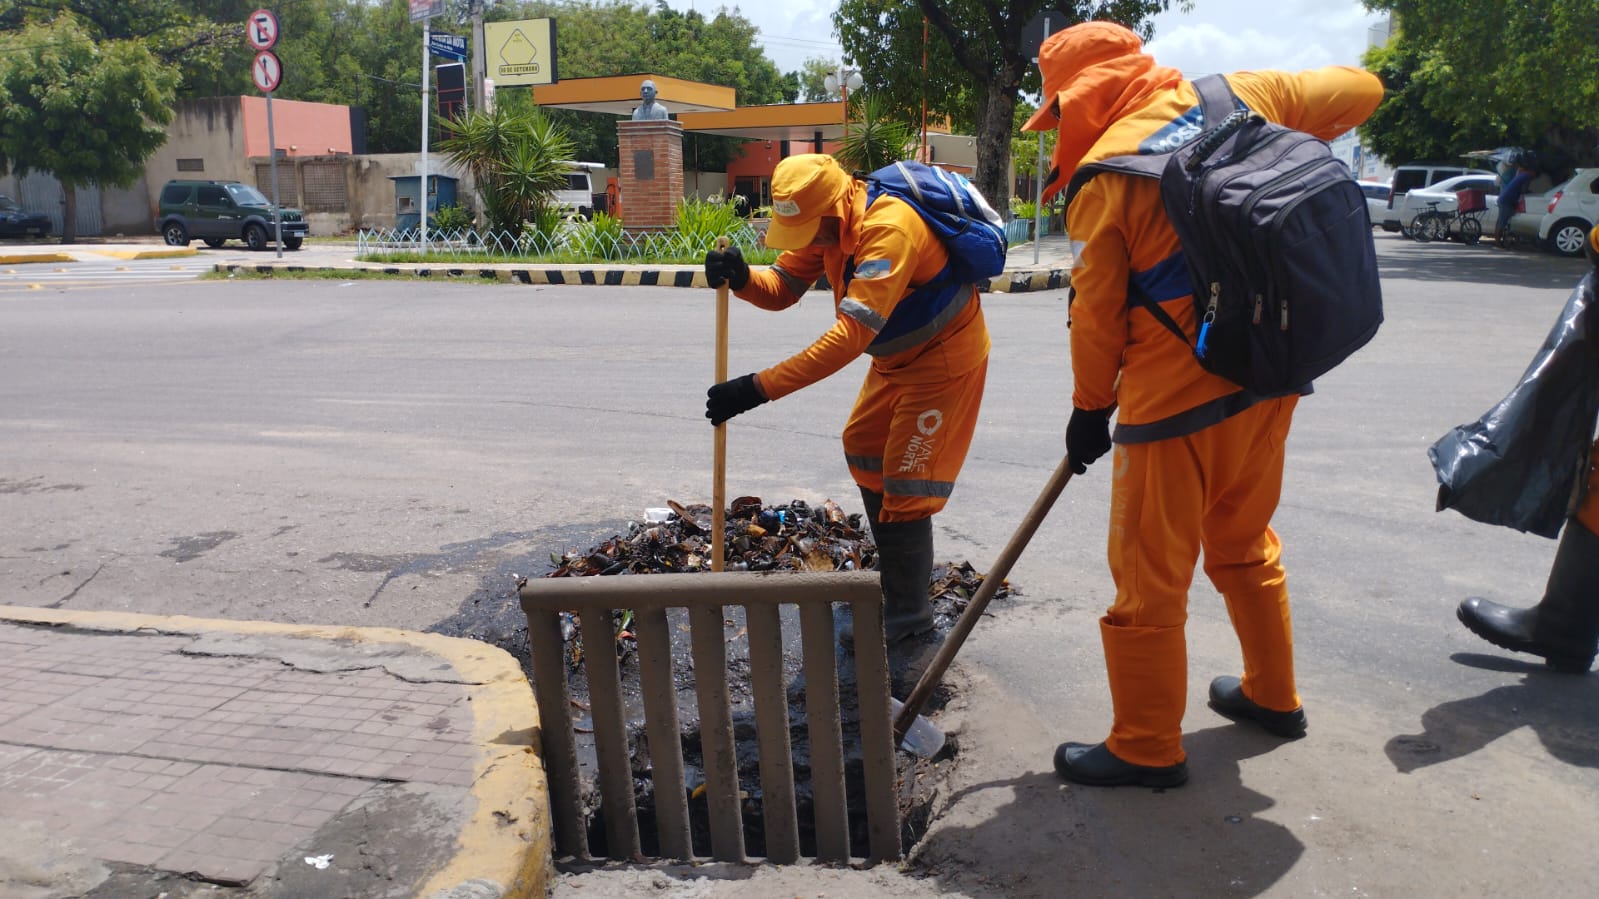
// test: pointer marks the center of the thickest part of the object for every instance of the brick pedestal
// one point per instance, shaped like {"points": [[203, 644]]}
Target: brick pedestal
{"points": [[651, 173]]}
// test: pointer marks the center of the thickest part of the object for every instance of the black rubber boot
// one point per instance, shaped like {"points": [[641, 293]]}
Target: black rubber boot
{"points": [[904, 565], [1564, 626]]}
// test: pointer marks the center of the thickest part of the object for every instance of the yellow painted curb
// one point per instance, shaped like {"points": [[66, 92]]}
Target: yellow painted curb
{"points": [[506, 838], [164, 253], [17, 259]]}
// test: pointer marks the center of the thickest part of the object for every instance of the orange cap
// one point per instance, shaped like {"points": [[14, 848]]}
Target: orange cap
{"points": [[804, 188], [1593, 245], [1068, 52]]}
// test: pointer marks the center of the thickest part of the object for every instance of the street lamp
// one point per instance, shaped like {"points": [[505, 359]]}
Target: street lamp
{"points": [[842, 82]]}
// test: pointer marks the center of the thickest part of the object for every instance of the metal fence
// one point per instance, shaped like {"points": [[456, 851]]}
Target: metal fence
{"points": [[573, 241], [705, 596]]}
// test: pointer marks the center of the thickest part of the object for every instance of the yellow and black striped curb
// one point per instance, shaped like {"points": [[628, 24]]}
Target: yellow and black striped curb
{"points": [[633, 276]]}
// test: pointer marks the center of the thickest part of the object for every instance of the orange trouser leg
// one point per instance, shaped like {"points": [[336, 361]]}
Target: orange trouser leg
{"points": [[1242, 553], [909, 441], [1168, 499], [1588, 512]]}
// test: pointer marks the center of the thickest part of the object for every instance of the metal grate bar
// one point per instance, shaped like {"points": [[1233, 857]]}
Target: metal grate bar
{"points": [[555, 729], [716, 733], [610, 735], [827, 740], [705, 598], [665, 738], [877, 733], [771, 730]]}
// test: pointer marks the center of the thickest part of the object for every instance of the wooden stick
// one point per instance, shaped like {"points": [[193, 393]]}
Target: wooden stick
{"points": [[719, 479]]}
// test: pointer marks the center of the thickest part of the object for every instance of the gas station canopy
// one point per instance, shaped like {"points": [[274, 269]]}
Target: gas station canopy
{"points": [[700, 108], [619, 94]]}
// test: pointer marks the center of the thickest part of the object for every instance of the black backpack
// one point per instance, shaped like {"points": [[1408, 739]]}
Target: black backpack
{"points": [[1277, 240]]}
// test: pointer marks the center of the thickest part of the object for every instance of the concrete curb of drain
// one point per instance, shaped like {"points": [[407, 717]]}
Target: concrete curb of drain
{"points": [[686, 276], [498, 852]]}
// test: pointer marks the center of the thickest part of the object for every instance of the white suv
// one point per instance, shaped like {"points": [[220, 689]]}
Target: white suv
{"points": [[1572, 210]]}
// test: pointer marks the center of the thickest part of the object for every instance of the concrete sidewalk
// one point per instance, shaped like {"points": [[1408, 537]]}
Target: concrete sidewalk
{"points": [[1029, 266], [146, 755]]}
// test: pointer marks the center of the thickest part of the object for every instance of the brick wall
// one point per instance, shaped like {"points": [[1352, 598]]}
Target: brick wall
{"points": [[651, 173]]}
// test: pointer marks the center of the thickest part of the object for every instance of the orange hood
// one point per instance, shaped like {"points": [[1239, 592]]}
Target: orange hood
{"points": [[1094, 74]]}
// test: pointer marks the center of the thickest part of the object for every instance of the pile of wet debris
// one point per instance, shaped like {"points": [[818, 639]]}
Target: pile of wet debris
{"points": [[794, 536], [791, 537]]}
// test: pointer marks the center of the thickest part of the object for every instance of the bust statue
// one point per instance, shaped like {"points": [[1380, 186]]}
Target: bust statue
{"points": [[649, 110]]}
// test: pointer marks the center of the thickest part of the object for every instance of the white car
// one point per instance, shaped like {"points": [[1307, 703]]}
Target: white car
{"points": [[1376, 199], [1442, 196], [1569, 213]]}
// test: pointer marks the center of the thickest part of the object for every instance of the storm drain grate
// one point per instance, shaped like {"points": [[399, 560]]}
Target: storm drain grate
{"points": [[705, 598]]}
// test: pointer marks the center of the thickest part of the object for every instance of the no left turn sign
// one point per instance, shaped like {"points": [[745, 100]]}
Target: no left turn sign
{"points": [[262, 29], [267, 71]]}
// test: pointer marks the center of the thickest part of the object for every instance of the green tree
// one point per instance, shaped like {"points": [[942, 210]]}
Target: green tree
{"points": [[610, 38], [1468, 74], [975, 68], [89, 112], [517, 160]]}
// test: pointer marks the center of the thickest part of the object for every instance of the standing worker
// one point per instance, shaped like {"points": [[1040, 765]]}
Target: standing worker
{"points": [[1198, 461], [912, 423], [1564, 626], [1510, 195]]}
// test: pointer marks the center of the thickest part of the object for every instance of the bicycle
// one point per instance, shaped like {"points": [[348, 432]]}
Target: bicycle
{"points": [[1434, 224]]}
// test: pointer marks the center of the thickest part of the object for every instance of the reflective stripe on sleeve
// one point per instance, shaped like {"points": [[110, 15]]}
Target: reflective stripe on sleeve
{"points": [[794, 284], [862, 313]]}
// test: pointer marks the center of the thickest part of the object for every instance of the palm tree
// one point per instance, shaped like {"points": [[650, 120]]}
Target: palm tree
{"points": [[518, 160], [874, 139]]}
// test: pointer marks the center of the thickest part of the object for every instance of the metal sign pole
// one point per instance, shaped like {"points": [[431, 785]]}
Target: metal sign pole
{"points": [[423, 228], [277, 203]]}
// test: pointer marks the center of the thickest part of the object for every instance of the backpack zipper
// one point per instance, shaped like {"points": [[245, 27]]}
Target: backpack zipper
{"points": [[1210, 317]]}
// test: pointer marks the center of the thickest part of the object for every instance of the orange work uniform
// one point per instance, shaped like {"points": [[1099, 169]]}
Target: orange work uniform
{"points": [[912, 423], [1198, 463]]}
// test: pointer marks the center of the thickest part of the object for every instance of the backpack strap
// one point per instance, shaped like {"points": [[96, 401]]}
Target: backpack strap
{"points": [[1216, 100]]}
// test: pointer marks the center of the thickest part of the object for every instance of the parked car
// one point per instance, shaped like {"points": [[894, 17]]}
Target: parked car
{"points": [[219, 211], [18, 222], [1569, 213], [1443, 196], [1412, 175], [1376, 199]]}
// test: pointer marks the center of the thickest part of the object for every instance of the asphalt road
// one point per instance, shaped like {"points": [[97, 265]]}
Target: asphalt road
{"points": [[391, 453]]}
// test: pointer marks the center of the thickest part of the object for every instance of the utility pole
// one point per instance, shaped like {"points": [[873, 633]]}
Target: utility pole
{"points": [[479, 72]]}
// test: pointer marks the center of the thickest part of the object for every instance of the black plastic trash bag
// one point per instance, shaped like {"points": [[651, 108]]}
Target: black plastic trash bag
{"points": [[1520, 463]]}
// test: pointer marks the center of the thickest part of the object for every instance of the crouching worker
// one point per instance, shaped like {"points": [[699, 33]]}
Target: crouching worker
{"points": [[1198, 461], [912, 423], [1563, 627]]}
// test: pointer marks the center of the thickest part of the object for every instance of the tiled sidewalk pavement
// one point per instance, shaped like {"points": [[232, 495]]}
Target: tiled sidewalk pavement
{"points": [[145, 753]]}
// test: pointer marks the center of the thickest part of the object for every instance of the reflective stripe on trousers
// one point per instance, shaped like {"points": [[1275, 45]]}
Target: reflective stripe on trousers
{"points": [[909, 441]]}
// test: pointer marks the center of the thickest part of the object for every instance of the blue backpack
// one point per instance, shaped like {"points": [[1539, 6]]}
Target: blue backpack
{"points": [[970, 229]]}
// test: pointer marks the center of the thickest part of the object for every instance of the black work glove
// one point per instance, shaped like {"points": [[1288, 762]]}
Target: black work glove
{"points": [[730, 398], [727, 265], [1087, 437]]}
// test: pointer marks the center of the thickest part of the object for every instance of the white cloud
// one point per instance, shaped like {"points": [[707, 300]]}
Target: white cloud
{"points": [[1235, 35], [1218, 36]]}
